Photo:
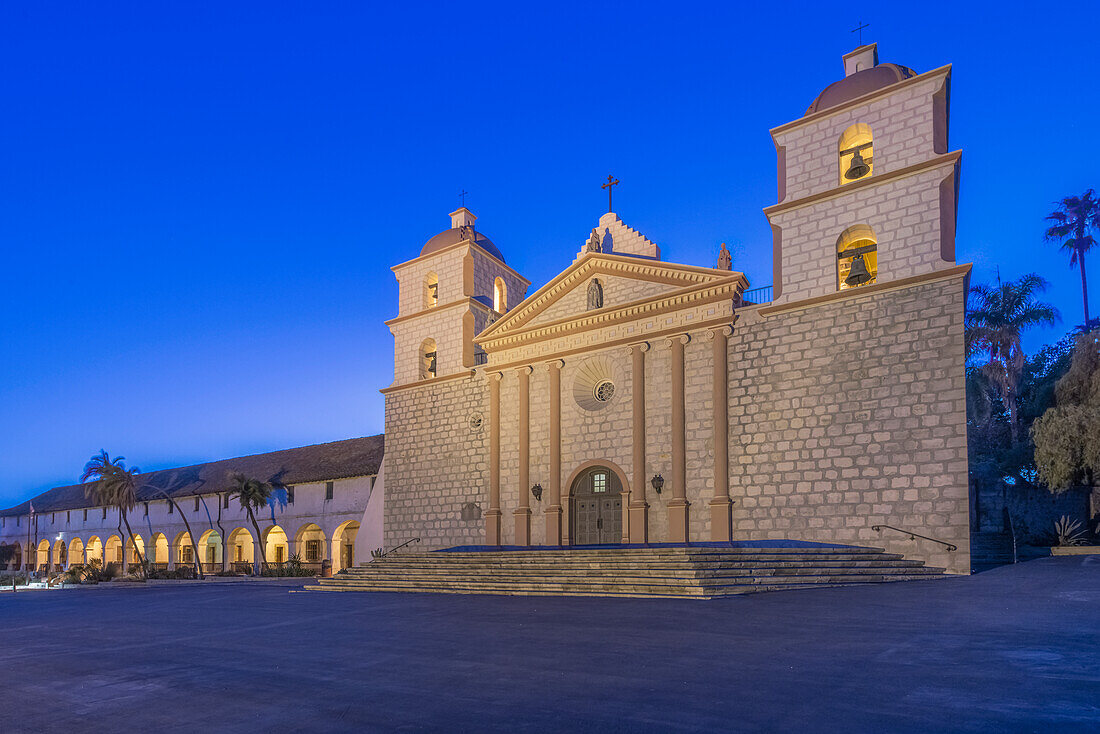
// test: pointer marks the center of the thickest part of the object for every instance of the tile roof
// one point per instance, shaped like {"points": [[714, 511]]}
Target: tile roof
{"points": [[354, 457]]}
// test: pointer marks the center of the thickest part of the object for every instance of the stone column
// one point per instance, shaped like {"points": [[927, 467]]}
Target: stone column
{"points": [[721, 508], [554, 509], [678, 505], [492, 515], [522, 513], [639, 507]]}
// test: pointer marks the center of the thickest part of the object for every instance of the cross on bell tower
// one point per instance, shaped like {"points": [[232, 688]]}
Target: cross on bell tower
{"points": [[859, 29]]}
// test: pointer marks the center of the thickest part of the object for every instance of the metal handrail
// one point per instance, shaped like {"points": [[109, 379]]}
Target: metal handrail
{"points": [[914, 536], [397, 548]]}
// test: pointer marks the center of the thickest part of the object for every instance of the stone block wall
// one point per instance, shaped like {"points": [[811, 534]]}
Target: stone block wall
{"points": [[852, 413], [437, 463]]}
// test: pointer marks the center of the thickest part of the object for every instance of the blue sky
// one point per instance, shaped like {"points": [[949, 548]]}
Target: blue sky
{"points": [[201, 203]]}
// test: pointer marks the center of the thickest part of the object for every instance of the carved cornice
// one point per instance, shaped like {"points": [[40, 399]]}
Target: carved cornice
{"points": [[872, 180], [724, 289], [685, 276], [958, 271]]}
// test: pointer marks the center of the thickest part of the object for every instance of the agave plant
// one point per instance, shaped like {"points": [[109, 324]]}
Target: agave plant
{"points": [[1069, 532]]}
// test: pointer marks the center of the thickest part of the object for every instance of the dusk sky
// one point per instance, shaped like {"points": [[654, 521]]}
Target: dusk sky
{"points": [[201, 203]]}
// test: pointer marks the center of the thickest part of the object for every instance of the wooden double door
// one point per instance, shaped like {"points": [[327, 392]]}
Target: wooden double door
{"points": [[597, 508]]}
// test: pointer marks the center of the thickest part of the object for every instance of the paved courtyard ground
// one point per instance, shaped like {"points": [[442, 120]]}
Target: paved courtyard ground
{"points": [[1014, 649]]}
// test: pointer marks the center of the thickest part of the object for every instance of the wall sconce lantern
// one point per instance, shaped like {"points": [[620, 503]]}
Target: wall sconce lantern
{"points": [[658, 482], [537, 491]]}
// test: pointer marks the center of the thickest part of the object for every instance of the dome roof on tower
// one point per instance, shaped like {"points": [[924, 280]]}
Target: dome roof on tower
{"points": [[462, 229], [452, 236], [858, 84]]}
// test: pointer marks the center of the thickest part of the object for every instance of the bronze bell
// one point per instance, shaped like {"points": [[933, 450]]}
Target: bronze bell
{"points": [[858, 169], [859, 274]]}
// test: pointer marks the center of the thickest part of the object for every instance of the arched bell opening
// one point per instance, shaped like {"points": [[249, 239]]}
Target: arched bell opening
{"points": [[856, 257], [856, 151]]}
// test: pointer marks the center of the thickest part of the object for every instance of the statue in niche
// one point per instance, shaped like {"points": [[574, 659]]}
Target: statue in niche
{"points": [[725, 262], [595, 294], [593, 244]]}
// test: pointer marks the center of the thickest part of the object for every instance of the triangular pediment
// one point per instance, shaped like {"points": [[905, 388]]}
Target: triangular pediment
{"points": [[627, 283]]}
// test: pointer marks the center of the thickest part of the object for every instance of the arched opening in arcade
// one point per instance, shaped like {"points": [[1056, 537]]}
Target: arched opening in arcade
{"points": [[134, 546], [241, 547], [113, 550], [60, 555], [183, 550], [15, 557], [76, 552], [210, 550], [42, 560], [276, 547], [93, 550], [596, 504], [158, 551], [343, 545], [310, 545]]}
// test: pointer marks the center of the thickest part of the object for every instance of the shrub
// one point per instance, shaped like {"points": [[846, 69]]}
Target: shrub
{"points": [[1069, 532]]}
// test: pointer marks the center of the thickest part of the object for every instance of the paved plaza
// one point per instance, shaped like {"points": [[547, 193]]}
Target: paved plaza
{"points": [[1014, 649]]}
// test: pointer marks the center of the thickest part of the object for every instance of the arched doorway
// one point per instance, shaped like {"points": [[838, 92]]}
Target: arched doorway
{"points": [[42, 562], [596, 507]]}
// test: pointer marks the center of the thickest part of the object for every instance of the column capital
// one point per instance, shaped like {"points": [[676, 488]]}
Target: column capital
{"points": [[555, 364], [682, 338], [525, 370], [724, 330], [495, 376], [639, 347]]}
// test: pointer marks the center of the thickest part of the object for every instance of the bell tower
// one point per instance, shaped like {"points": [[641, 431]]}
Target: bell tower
{"points": [[867, 185], [446, 296]]}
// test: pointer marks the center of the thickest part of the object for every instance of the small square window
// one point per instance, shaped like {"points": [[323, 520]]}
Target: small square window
{"points": [[328, 490], [85, 516], [68, 516], [290, 495]]}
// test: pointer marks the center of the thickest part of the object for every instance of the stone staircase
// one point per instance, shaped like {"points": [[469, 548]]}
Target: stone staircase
{"points": [[671, 572]]}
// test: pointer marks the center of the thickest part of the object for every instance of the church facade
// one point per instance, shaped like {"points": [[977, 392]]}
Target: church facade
{"points": [[634, 400]]}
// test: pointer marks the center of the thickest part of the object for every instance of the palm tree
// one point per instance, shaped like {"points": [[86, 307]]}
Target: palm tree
{"points": [[1074, 221], [190, 535], [994, 325], [114, 486], [253, 494]]}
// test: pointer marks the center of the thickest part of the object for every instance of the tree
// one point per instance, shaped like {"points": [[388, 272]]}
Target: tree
{"points": [[113, 485], [253, 494], [1073, 223], [994, 326], [1067, 436]]}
